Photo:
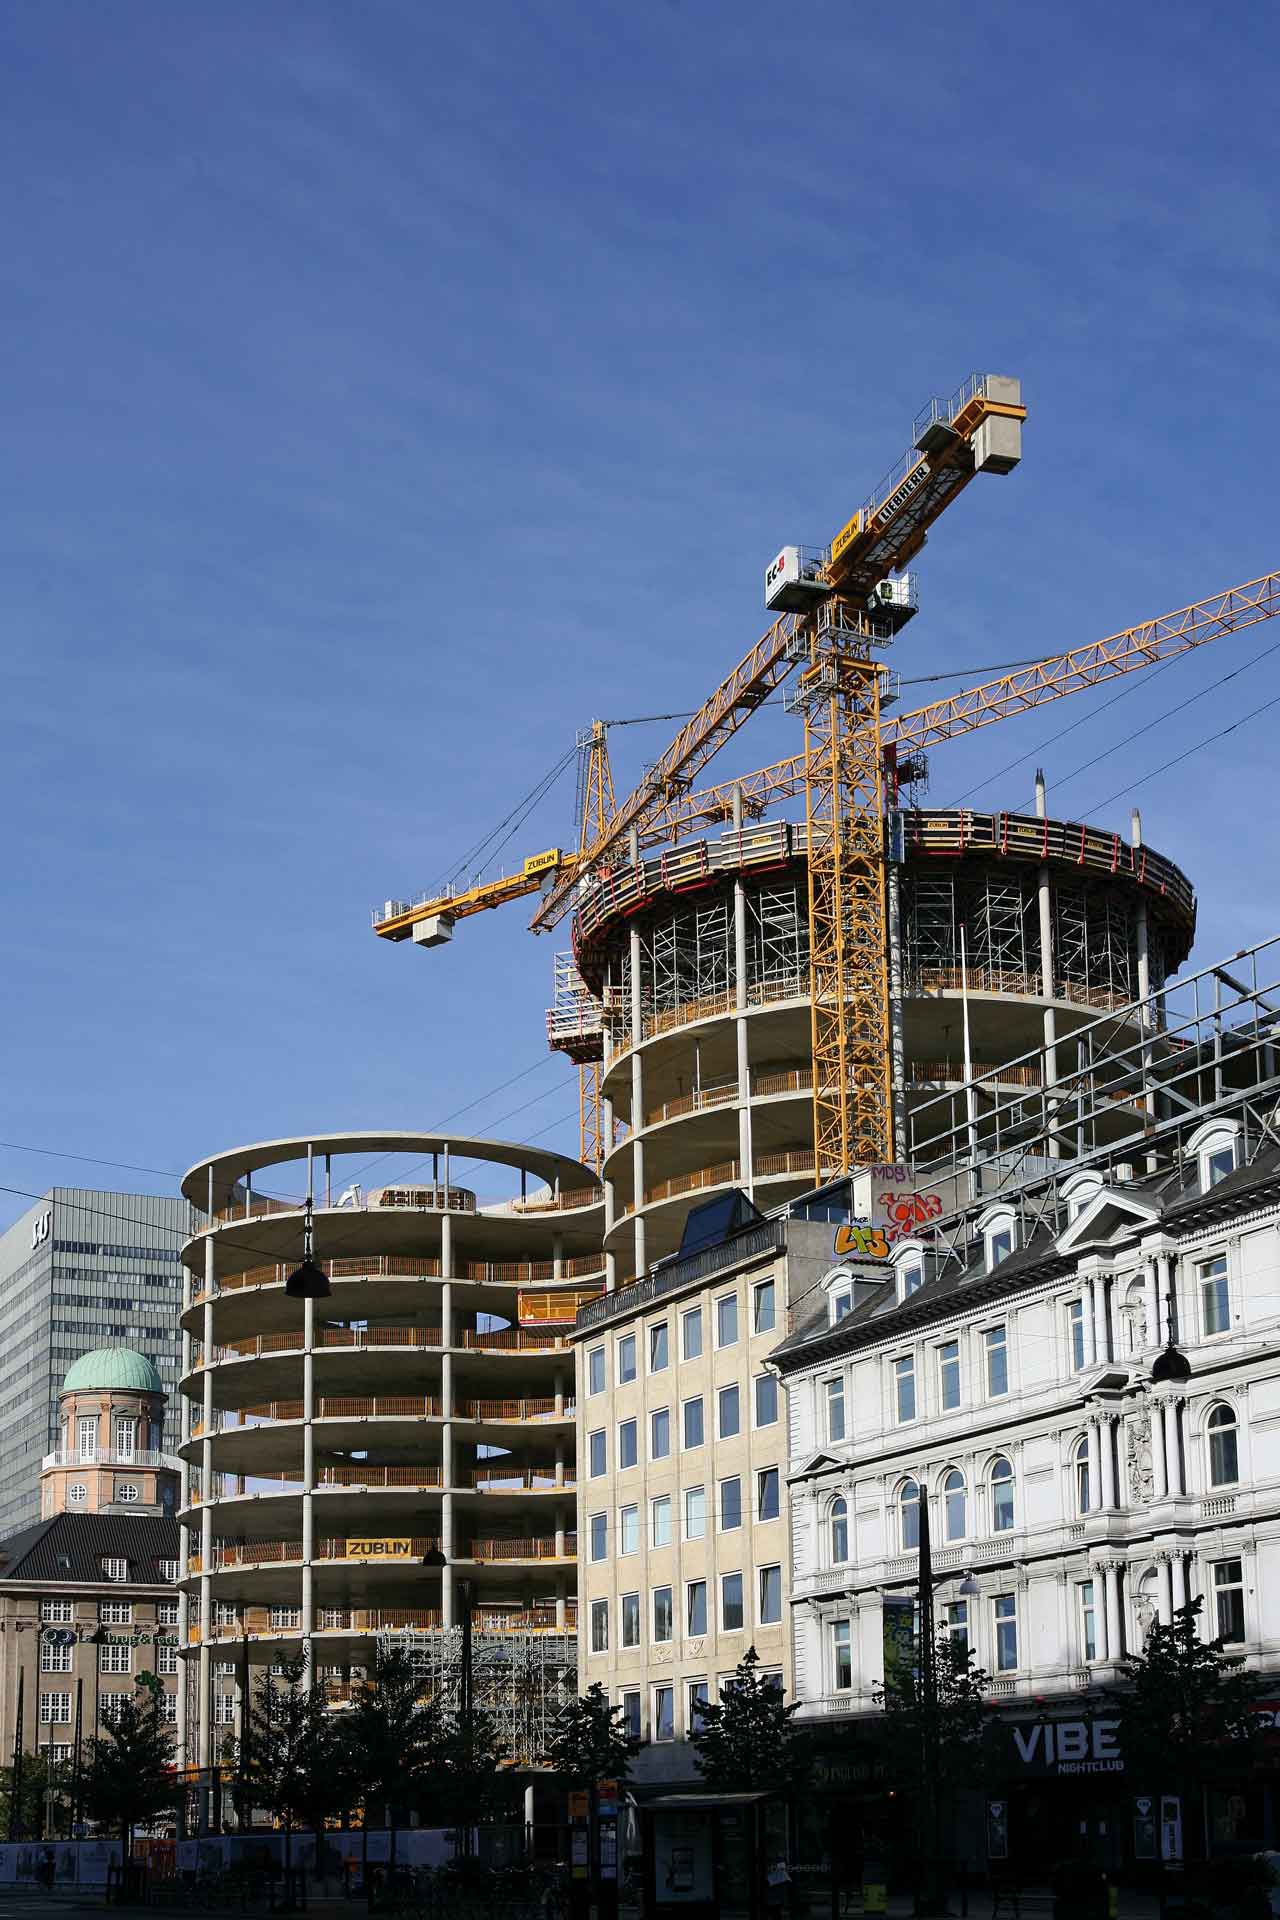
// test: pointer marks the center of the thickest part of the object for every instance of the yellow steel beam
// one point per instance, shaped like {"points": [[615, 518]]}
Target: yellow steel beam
{"points": [[492, 893]]}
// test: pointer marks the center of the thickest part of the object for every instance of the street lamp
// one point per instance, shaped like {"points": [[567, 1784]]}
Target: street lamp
{"points": [[1171, 1365], [308, 1282]]}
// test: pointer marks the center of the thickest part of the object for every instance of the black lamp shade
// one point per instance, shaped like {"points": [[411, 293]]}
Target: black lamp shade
{"points": [[308, 1282], [1170, 1366]]}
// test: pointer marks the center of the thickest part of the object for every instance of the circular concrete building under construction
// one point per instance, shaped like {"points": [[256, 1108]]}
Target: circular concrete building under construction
{"points": [[381, 1459], [1008, 933]]}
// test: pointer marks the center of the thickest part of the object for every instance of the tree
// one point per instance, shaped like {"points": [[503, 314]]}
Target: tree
{"points": [[287, 1761], [130, 1778], [588, 1741], [394, 1734], [952, 1725], [38, 1779], [464, 1782], [747, 1742], [1187, 1714]]}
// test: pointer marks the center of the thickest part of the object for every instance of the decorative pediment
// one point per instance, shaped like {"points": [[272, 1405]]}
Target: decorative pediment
{"points": [[1114, 1214], [818, 1464]]}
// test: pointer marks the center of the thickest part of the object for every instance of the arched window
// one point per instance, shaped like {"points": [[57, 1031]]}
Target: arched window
{"points": [[839, 1531], [1080, 1472], [1224, 1447], [953, 1505], [1001, 1496], [909, 1516]]}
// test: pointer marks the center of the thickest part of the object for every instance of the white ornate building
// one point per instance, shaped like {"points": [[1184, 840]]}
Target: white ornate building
{"points": [[1008, 1370]]}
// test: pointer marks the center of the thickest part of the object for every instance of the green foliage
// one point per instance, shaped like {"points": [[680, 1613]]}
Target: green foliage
{"points": [[129, 1776], [290, 1761], [953, 1725], [464, 1783], [33, 1802], [747, 1741], [393, 1735], [1186, 1707], [588, 1740]]}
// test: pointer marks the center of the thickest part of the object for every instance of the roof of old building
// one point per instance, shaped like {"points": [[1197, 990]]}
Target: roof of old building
{"points": [[73, 1546], [113, 1367]]}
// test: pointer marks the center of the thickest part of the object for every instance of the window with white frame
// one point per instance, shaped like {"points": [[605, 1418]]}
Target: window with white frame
{"points": [[224, 1710], [628, 1530], [599, 1626], [167, 1569], [1224, 1448], [695, 1513], [691, 1333], [167, 1657], [955, 1625], [126, 1492], [630, 1635], [728, 1412], [949, 1375], [660, 1520], [87, 1436], [628, 1445], [766, 1391], [663, 1617], [1001, 1483], [1216, 1153], [995, 1350], [1087, 1614], [664, 1713], [169, 1709], [1215, 1296], [770, 1597], [629, 1701], [909, 1516], [1004, 1615], [954, 1505], [1080, 1475], [839, 1296], [726, 1319], [698, 1696], [116, 1613], [55, 1709], [626, 1358], [833, 1391], [1075, 1333], [598, 1534], [768, 1493], [55, 1658], [595, 1370], [764, 1307], [841, 1656], [167, 1613], [1080, 1193], [57, 1610], [114, 1657], [115, 1569], [904, 1388], [731, 1611], [596, 1454], [1228, 1600], [109, 1705], [999, 1237], [77, 1493], [910, 1277], [839, 1530], [126, 1436], [730, 1503], [658, 1347], [660, 1433], [693, 1425], [695, 1608]]}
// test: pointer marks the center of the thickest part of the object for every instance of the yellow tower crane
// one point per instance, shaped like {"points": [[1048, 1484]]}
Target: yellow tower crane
{"points": [[838, 606]]}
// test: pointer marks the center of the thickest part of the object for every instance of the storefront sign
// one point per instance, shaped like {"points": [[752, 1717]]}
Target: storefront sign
{"points": [[1062, 1747], [1170, 1826], [997, 1829], [379, 1549], [1144, 1827]]}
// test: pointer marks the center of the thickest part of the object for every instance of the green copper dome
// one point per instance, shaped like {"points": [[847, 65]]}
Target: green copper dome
{"points": [[112, 1367]]}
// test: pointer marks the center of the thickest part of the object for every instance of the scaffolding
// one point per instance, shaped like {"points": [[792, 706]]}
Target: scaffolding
{"points": [[520, 1679]]}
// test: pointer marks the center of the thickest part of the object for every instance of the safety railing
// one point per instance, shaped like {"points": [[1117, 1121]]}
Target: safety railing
{"points": [[498, 1479], [544, 1548], [727, 1173], [253, 1623], [355, 1338], [413, 1267], [270, 1553], [511, 1340], [559, 1202], [536, 1409]]}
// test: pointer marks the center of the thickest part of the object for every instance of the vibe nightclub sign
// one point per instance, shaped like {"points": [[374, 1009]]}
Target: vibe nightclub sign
{"points": [[1064, 1747]]}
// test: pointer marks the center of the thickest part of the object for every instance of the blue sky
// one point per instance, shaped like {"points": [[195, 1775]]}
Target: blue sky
{"points": [[390, 390]]}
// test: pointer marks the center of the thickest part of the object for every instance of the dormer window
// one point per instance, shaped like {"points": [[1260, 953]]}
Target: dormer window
{"points": [[839, 1295], [908, 1270], [1079, 1192], [1216, 1147], [999, 1237]]}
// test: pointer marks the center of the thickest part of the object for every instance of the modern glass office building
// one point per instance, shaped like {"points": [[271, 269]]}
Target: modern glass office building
{"points": [[79, 1270]]}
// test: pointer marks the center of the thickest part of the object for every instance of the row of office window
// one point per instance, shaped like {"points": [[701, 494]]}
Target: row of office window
{"points": [[697, 1617], [112, 1613], [112, 1658], [626, 1347], [728, 1515], [728, 1407], [57, 1709], [662, 1706]]}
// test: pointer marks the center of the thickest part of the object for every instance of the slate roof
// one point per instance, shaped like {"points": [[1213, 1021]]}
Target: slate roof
{"points": [[1173, 1192], [72, 1546]]}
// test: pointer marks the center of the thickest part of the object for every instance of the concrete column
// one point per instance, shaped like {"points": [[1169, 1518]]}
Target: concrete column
{"points": [[1108, 1462], [557, 1257], [1172, 1457], [1151, 1300], [1044, 898], [562, 1610], [637, 1104], [746, 1177], [528, 1819], [1159, 1465], [1111, 1579], [1164, 1573], [1090, 1307], [560, 1533], [1101, 1343], [1179, 1572], [560, 1463], [559, 1395], [1095, 1465]]}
